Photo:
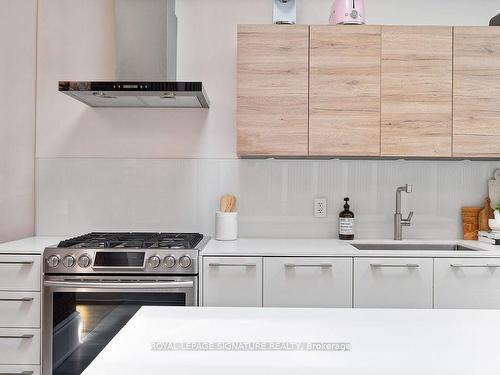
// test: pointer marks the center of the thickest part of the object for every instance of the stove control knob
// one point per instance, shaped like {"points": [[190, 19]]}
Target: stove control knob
{"points": [[68, 261], [53, 261], [154, 261], [84, 261], [185, 261], [169, 261]]}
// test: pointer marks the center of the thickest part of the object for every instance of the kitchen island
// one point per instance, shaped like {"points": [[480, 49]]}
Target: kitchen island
{"points": [[182, 341]]}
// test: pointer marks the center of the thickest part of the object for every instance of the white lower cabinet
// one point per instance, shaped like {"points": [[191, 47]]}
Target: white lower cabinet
{"points": [[19, 346], [393, 282], [232, 281], [467, 283], [20, 272], [20, 309], [307, 282]]}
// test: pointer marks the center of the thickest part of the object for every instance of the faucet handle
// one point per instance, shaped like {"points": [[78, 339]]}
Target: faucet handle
{"points": [[406, 222]]}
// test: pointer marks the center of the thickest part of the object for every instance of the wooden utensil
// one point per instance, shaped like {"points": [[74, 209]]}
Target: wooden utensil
{"points": [[470, 222], [485, 214], [228, 203]]}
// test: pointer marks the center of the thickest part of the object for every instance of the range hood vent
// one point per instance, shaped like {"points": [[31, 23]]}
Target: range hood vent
{"points": [[146, 62]]}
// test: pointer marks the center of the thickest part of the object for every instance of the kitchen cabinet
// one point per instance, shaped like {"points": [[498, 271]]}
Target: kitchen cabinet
{"points": [[416, 85], [20, 272], [476, 92], [19, 346], [20, 313], [232, 281], [368, 91], [344, 91], [393, 282], [272, 92], [467, 283], [307, 282], [20, 309]]}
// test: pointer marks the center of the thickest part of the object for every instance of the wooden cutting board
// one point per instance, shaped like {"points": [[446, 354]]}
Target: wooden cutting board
{"points": [[485, 214]]}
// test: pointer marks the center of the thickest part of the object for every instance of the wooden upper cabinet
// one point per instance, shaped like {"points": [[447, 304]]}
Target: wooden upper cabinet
{"points": [[344, 91], [416, 110], [476, 92], [272, 103]]}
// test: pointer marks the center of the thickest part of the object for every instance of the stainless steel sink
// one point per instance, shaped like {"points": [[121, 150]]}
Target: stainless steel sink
{"points": [[409, 247]]}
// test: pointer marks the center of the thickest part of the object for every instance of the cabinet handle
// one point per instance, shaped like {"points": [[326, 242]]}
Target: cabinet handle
{"points": [[17, 262], [408, 265], [18, 373], [475, 265], [17, 299], [232, 265], [16, 336], [292, 265]]}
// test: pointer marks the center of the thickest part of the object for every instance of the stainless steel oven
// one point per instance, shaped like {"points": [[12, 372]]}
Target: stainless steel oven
{"points": [[83, 314], [95, 283]]}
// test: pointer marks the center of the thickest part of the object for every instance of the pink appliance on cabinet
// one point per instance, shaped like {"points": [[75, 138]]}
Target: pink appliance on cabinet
{"points": [[348, 12]]}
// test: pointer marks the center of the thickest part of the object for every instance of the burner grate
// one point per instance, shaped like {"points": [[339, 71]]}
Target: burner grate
{"points": [[138, 240]]}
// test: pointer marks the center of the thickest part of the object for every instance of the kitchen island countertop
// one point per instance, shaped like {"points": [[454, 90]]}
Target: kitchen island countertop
{"points": [[459, 342]]}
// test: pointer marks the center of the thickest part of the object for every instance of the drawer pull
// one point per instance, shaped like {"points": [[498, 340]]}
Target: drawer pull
{"points": [[232, 265], [292, 265], [30, 299], [381, 265], [475, 265], [18, 373], [16, 336], [17, 262]]}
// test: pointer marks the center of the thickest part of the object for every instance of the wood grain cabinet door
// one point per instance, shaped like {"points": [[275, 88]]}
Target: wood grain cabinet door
{"points": [[344, 91], [476, 92], [416, 111], [272, 103]]}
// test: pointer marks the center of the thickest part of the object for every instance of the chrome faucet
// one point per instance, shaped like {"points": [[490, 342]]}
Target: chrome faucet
{"points": [[399, 222]]}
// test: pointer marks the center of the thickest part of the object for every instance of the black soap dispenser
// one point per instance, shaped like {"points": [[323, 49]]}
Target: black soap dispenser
{"points": [[346, 222]]}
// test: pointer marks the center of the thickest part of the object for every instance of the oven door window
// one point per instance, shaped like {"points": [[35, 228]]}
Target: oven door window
{"points": [[84, 323]]}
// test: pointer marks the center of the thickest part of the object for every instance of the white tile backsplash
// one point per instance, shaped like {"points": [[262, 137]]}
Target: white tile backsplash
{"points": [[275, 197]]}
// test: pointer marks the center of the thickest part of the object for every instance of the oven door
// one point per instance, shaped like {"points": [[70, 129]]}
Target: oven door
{"points": [[82, 315]]}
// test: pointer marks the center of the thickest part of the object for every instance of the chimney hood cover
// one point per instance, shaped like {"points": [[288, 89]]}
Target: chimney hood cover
{"points": [[146, 62], [137, 94]]}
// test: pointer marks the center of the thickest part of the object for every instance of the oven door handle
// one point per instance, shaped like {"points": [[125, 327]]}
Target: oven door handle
{"points": [[125, 285]]}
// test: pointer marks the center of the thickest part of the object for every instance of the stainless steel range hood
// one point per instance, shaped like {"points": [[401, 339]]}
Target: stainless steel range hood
{"points": [[146, 62]]}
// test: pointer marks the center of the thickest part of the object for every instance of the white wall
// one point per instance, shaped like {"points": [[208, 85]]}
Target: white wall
{"points": [[275, 196], [98, 169], [17, 117]]}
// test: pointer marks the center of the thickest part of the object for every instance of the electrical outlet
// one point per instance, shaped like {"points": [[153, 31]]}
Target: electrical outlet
{"points": [[320, 207]]}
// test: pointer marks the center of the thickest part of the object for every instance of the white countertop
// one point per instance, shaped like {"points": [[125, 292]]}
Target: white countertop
{"points": [[337, 248], [30, 245], [410, 342], [285, 247]]}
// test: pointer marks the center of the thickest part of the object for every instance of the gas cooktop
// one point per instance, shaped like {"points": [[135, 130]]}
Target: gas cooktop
{"points": [[126, 253], [137, 240]]}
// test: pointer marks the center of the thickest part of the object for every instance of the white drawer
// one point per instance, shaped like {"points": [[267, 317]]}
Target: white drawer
{"points": [[393, 283], [20, 272], [232, 281], [19, 346], [20, 309], [307, 282], [467, 283], [19, 370]]}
